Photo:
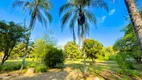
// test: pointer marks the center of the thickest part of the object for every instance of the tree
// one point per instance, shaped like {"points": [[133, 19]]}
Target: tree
{"points": [[35, 8], [93, 48], [18, 50], [128, 43], [40, 48], [75, 12], [10, 35], [72, 50], [135, 20]]}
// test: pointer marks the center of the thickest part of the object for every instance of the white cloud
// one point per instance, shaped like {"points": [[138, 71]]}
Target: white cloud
{"points": [[112, 12], [103, 18]]}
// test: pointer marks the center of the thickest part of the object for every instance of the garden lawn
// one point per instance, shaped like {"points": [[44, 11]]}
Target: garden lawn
{"points": [[72, 69]]}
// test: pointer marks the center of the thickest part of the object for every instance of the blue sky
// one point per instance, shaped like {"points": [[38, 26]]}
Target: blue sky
{"points": [[107, 30]]}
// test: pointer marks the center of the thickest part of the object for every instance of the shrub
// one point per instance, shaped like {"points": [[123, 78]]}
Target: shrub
{"points": [[123, 62], [53, 57], [41, 68]]}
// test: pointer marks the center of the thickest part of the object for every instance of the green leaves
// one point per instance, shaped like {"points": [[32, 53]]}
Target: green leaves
{"points": [[90, 17], [100, 4], [10, 35], [93, 48], [65, 7], [35, 7], [65, 18], [72, 50]]}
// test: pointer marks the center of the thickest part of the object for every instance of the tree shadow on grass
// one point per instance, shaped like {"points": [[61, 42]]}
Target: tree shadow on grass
{"points": [[55, 74]]}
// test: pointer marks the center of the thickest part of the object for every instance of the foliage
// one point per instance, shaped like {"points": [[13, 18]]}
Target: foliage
{"points": [[110, 53], [129, 44], [94, 49], [18, 51], [41, 68], [75, 12], [10, 35], [53, 57], [39, 49], [72, 50], [124, 61], [35, 9]]}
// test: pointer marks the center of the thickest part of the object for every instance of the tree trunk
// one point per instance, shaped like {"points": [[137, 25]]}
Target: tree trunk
{"points": [[6, 55], [84, 54], [33, 18], [26, 51], [135, 19]]}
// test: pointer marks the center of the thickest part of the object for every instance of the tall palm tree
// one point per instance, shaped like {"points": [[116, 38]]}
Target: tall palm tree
{"points": [[77, 12], [135, 19], [35, 9]]}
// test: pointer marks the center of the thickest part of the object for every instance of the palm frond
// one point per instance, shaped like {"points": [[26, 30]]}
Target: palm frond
{"points": [[73, 21], [72, 25], [91, 17], [65, 18], [100, 4], [49, 16], [45, 5], [17, 3], [41, 18], [86, 28], [82, 3], [65, 7], [28, 5]]}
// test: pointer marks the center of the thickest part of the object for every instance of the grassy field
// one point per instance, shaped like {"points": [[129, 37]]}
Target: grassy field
{"points": [[72, 70]]}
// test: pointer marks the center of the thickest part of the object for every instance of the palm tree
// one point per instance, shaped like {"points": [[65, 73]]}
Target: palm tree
{"points": [[135, 19], [35, 9], [77, 11]]}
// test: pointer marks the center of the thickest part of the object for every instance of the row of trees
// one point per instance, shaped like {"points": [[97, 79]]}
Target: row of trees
{"points": [[93, 50]]}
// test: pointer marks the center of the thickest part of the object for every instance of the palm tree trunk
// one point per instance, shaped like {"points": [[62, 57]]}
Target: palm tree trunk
{"points": [[26, 51], [84, 54], [33, 18], [135, 19]]}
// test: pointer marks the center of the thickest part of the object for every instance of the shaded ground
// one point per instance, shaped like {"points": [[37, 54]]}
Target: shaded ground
{"points": [[73, 71]]}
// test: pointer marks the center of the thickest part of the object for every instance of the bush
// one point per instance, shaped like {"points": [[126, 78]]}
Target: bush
{"points": [[123, 62], [41, 68], [53, 57]]}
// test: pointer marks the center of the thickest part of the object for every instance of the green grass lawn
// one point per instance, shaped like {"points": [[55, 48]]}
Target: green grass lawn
{"points": [[11, 65], [105, 69]]}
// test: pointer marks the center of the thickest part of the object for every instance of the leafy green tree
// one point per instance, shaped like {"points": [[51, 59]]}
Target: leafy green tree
{"points": [[35, 8], [110, 50], [18, 51], [40, 48], [72, 50], [10, 35], [129, 44], [135, 19], [75, 12], [93, 48]]}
